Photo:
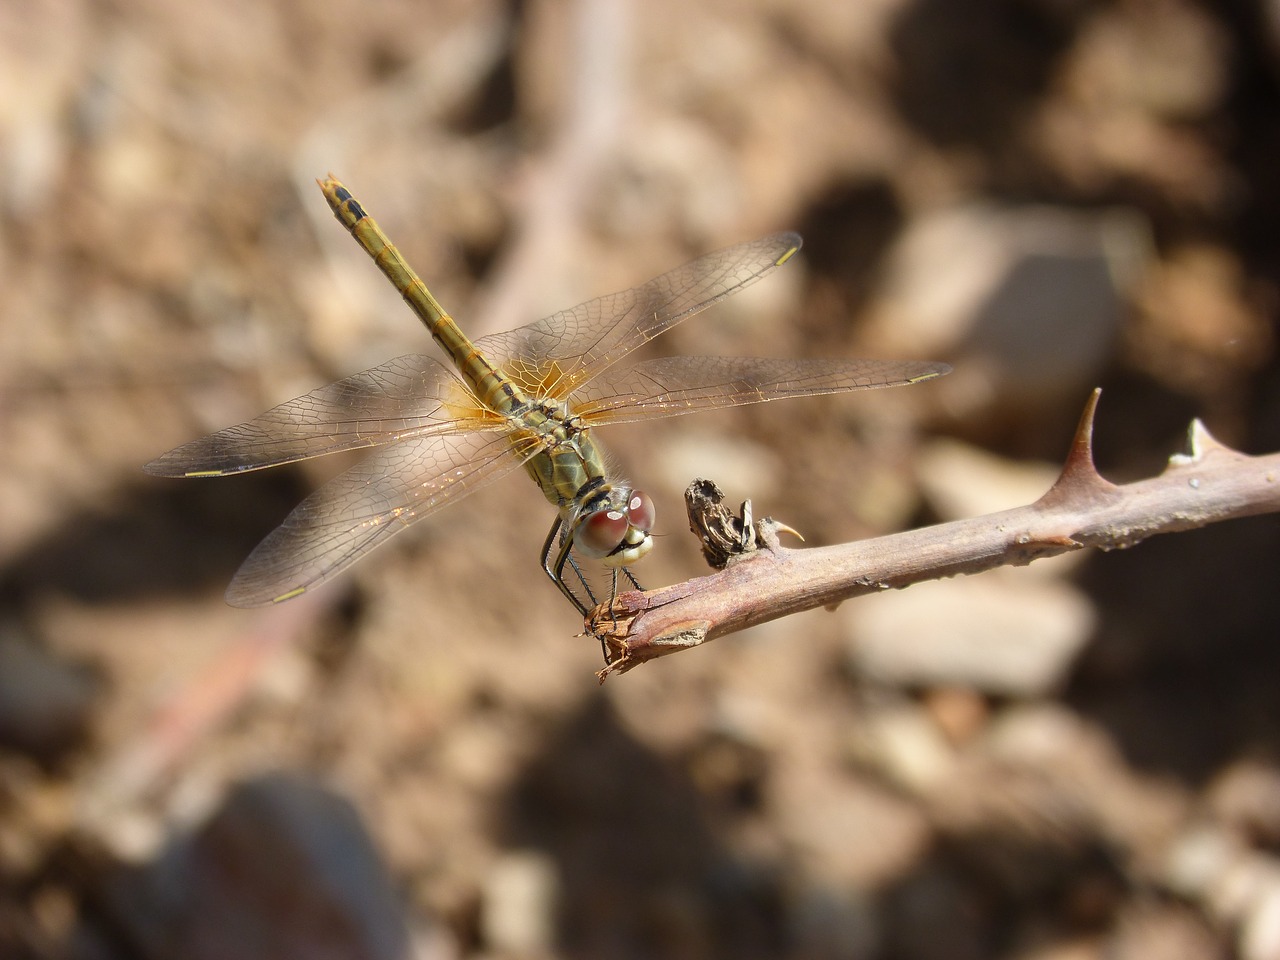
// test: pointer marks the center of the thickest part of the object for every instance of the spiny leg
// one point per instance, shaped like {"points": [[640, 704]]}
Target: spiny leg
{"points": [[556, 570], [613, 590], [632, 577], [582, 579], [613, 597]]}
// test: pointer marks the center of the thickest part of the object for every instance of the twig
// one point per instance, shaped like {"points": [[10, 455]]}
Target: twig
{"points": [[135, 768], [560, 184], [1209, 483]]}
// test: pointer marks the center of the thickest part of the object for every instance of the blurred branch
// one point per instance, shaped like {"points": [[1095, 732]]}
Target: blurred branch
{"points": [[1209, 483], [127, 774], [560, 185]]}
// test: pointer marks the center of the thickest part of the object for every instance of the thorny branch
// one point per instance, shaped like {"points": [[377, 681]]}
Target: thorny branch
{"points": [[1209, 483]]}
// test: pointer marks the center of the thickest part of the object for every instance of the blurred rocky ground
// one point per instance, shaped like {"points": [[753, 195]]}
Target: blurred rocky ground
{"points": [[1075, 760]]}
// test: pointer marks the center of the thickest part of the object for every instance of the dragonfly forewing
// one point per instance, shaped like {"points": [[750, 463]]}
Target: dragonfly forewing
{"points": [[570, 348], [672, 386]]}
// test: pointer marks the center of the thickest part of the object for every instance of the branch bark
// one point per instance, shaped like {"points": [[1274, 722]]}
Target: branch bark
{"points": [[1209, 483]]}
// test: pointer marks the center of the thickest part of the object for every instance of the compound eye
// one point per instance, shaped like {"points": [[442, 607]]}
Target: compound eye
{"points": [[600, 533], [641, 511]]}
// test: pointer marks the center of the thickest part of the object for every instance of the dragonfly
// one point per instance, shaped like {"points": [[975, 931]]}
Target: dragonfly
{"points": [[527, 398]]}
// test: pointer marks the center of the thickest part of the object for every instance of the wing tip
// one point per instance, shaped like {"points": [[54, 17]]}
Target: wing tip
{"points": [[246, 595], [791, 242], [931, 371], [169, 466]]}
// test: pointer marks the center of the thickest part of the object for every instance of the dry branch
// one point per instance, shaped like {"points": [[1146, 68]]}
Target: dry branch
{"points": [[1210, 482]]}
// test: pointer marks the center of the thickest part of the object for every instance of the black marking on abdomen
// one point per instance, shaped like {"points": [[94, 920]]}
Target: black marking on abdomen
{"points": [[508, 391], [344, 197]]}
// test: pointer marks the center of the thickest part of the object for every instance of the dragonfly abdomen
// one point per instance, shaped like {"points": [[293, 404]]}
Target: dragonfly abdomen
{"points": [[491, 387]]}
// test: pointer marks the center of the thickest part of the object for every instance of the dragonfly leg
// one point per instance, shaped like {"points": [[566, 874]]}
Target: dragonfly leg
{"points": [[583, 581], [613, 593], [632, 577], [556, 570]]}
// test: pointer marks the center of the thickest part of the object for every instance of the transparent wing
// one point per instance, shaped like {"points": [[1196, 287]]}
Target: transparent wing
{"points": [[671, 386], [567, 349], [364, 507], [404, 397]]}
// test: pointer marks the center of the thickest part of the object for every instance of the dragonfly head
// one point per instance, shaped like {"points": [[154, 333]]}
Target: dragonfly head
{"points": [[615, 529]]}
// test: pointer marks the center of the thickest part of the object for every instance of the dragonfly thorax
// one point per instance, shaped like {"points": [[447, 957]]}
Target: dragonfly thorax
{"points": [[570, 467], [614, 526]]}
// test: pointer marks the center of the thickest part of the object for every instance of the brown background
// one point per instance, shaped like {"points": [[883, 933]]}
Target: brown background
{"points": [[170, 268]]}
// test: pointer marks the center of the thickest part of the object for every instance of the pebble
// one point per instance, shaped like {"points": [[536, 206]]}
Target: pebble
{"points": [[1004, 633], [45, 702], [284, 869]]}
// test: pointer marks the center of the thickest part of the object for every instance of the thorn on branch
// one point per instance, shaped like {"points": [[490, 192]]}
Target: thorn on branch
{"points": [[1201, 445], [1080, 480]]}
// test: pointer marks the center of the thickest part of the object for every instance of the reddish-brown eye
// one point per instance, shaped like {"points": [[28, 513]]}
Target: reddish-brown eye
{"points": [[600, 533], [641, 511]]}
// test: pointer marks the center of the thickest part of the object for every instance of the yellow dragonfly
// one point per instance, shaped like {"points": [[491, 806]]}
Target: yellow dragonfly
{"points": [[529, 397]]}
